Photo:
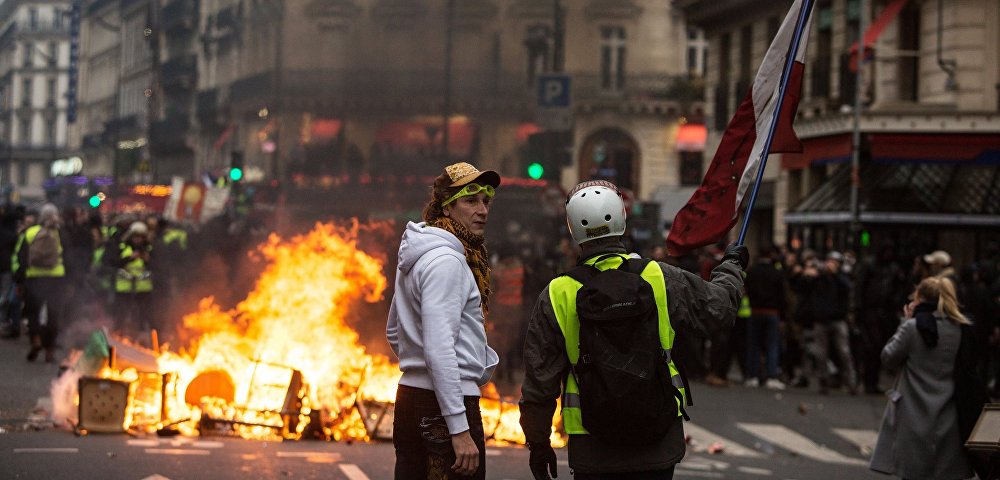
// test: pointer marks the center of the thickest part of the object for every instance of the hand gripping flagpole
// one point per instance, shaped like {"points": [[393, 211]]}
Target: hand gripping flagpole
{"points": [[785, 75]]}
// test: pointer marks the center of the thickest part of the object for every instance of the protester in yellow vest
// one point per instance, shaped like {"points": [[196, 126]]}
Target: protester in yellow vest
{"points": [[40, 271], [134, 280], [595, 214]]}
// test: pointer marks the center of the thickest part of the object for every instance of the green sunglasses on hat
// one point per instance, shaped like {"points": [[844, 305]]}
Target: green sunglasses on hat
{"points": [[469, 190]]}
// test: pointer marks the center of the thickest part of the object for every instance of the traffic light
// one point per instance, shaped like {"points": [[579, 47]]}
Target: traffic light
{"points": [[536, 171], [96, 200], [866, 238], [236, 166], [546, 154]]}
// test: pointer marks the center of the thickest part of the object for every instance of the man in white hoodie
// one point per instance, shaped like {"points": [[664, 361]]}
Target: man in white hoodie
{"points": [[437, 329]]}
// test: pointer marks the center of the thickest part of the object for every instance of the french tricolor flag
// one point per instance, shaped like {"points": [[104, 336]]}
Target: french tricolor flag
{"points": [[713, 208]]}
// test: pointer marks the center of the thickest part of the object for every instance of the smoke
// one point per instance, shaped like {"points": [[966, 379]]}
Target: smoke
{"points": [[64, 398]]}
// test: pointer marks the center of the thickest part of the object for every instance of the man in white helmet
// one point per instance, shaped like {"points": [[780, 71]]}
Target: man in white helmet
{"points": [[595, 214]]}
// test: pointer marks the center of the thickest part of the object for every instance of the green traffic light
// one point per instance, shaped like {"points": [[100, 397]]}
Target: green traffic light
{"points": [[866, 238], [235, 174], [94, 201], [535, 171]]}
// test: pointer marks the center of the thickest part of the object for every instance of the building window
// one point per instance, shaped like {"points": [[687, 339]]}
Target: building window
{"points": [[29, 54], [773, 25], [22, 172], [51, 92], [690, 168], [536, 40], [26, 92], [53, 54], [50, 132], [909, 53], [697, 50], [57, 19], [612, 58], [746, 61], [25, 131], [847, 80], [33, 19], [721, 112], [821, 68]]}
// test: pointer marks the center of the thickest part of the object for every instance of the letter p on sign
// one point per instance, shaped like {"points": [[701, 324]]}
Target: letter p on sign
{"points": [[553, 91]]}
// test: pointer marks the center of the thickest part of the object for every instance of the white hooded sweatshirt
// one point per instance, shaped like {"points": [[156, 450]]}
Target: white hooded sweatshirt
{"points": [[435, 325]]}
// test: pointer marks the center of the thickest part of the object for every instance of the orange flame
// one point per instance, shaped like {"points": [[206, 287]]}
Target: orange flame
{"points": [[295, 319]]}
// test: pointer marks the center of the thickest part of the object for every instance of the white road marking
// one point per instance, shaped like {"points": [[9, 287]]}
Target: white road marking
{"points": [[142, 443], [46, 450], [176, 451], [729, 447], [865, 439], [793, 441], [755, 471], [352, 471], [207, 444], [329, 455], [686, 474]]}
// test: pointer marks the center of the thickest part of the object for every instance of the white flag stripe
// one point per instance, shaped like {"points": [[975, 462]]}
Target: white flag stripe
{"points": [[352, 471], [766, 86], [863, 438], [730, 447], [793, 441]]}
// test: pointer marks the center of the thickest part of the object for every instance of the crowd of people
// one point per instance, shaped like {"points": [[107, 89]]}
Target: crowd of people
{"points": [[799, 328], [56, 266]]}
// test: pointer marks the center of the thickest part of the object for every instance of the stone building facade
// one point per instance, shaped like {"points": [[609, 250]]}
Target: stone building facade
{"points": [[319, 90], [34, 61], [930, 123]]}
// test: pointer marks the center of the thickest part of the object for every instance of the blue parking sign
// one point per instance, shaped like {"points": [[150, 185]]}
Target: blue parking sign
{"points": [[553, 90]]}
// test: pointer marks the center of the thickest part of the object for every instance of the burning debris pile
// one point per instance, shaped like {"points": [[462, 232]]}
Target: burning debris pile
{"points": [[284, 363]]}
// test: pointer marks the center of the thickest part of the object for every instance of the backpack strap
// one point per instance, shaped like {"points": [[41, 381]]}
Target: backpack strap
{"points": [[583, 272]]}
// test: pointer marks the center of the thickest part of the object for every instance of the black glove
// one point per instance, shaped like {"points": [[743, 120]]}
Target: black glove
{"points": [[738, 254], [542, 458]]}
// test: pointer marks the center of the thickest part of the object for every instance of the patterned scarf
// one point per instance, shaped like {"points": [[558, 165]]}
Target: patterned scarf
{"points": [[475, 255]]}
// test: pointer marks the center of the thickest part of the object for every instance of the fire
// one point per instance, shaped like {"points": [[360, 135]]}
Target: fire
{"points": [[284, 362]]}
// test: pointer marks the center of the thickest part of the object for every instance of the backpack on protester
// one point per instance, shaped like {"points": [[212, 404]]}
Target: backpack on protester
{"points": [[626, 394], [43, 252]]}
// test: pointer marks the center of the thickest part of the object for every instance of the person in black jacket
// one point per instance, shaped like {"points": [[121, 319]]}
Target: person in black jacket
{"points": [[596, 217], [823, 291], [9, 314], [765, 286]]}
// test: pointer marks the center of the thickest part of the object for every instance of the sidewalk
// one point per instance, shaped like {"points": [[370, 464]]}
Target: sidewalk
{"points": [[21, 383]]}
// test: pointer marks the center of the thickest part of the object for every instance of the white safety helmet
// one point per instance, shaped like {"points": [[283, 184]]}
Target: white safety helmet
{"points": [[595, 210]]}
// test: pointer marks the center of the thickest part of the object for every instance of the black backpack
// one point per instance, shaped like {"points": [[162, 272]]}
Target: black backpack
{"points": [[626, 396]]}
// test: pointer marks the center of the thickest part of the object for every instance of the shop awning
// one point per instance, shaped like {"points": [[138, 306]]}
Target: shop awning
{"points": [[895, 148], [941, 193]]}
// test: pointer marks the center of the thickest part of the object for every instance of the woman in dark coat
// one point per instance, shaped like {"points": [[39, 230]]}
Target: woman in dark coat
{"points": [[919, 437]]}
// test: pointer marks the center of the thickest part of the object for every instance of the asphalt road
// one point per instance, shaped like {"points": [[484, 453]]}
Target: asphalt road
{"points": [[736, 433]]}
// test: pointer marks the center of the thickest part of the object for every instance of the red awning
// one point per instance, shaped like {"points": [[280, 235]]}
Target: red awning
{"points": [[691, 138], [426, 136]]}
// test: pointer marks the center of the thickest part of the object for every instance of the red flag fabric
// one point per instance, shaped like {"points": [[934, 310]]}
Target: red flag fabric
{"points": [[712, 209], [873, 32]]}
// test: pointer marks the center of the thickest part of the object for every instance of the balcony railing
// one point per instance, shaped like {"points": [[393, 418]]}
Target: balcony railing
{"points": [[338, 84], [641, 86], [180, 15], [179, 72]]}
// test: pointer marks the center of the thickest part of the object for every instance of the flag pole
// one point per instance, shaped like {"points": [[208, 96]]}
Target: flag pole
{"points": [[785, 75]]}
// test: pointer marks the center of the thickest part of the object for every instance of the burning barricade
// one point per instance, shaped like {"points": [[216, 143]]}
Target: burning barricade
{"points": [[283, 364]]}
